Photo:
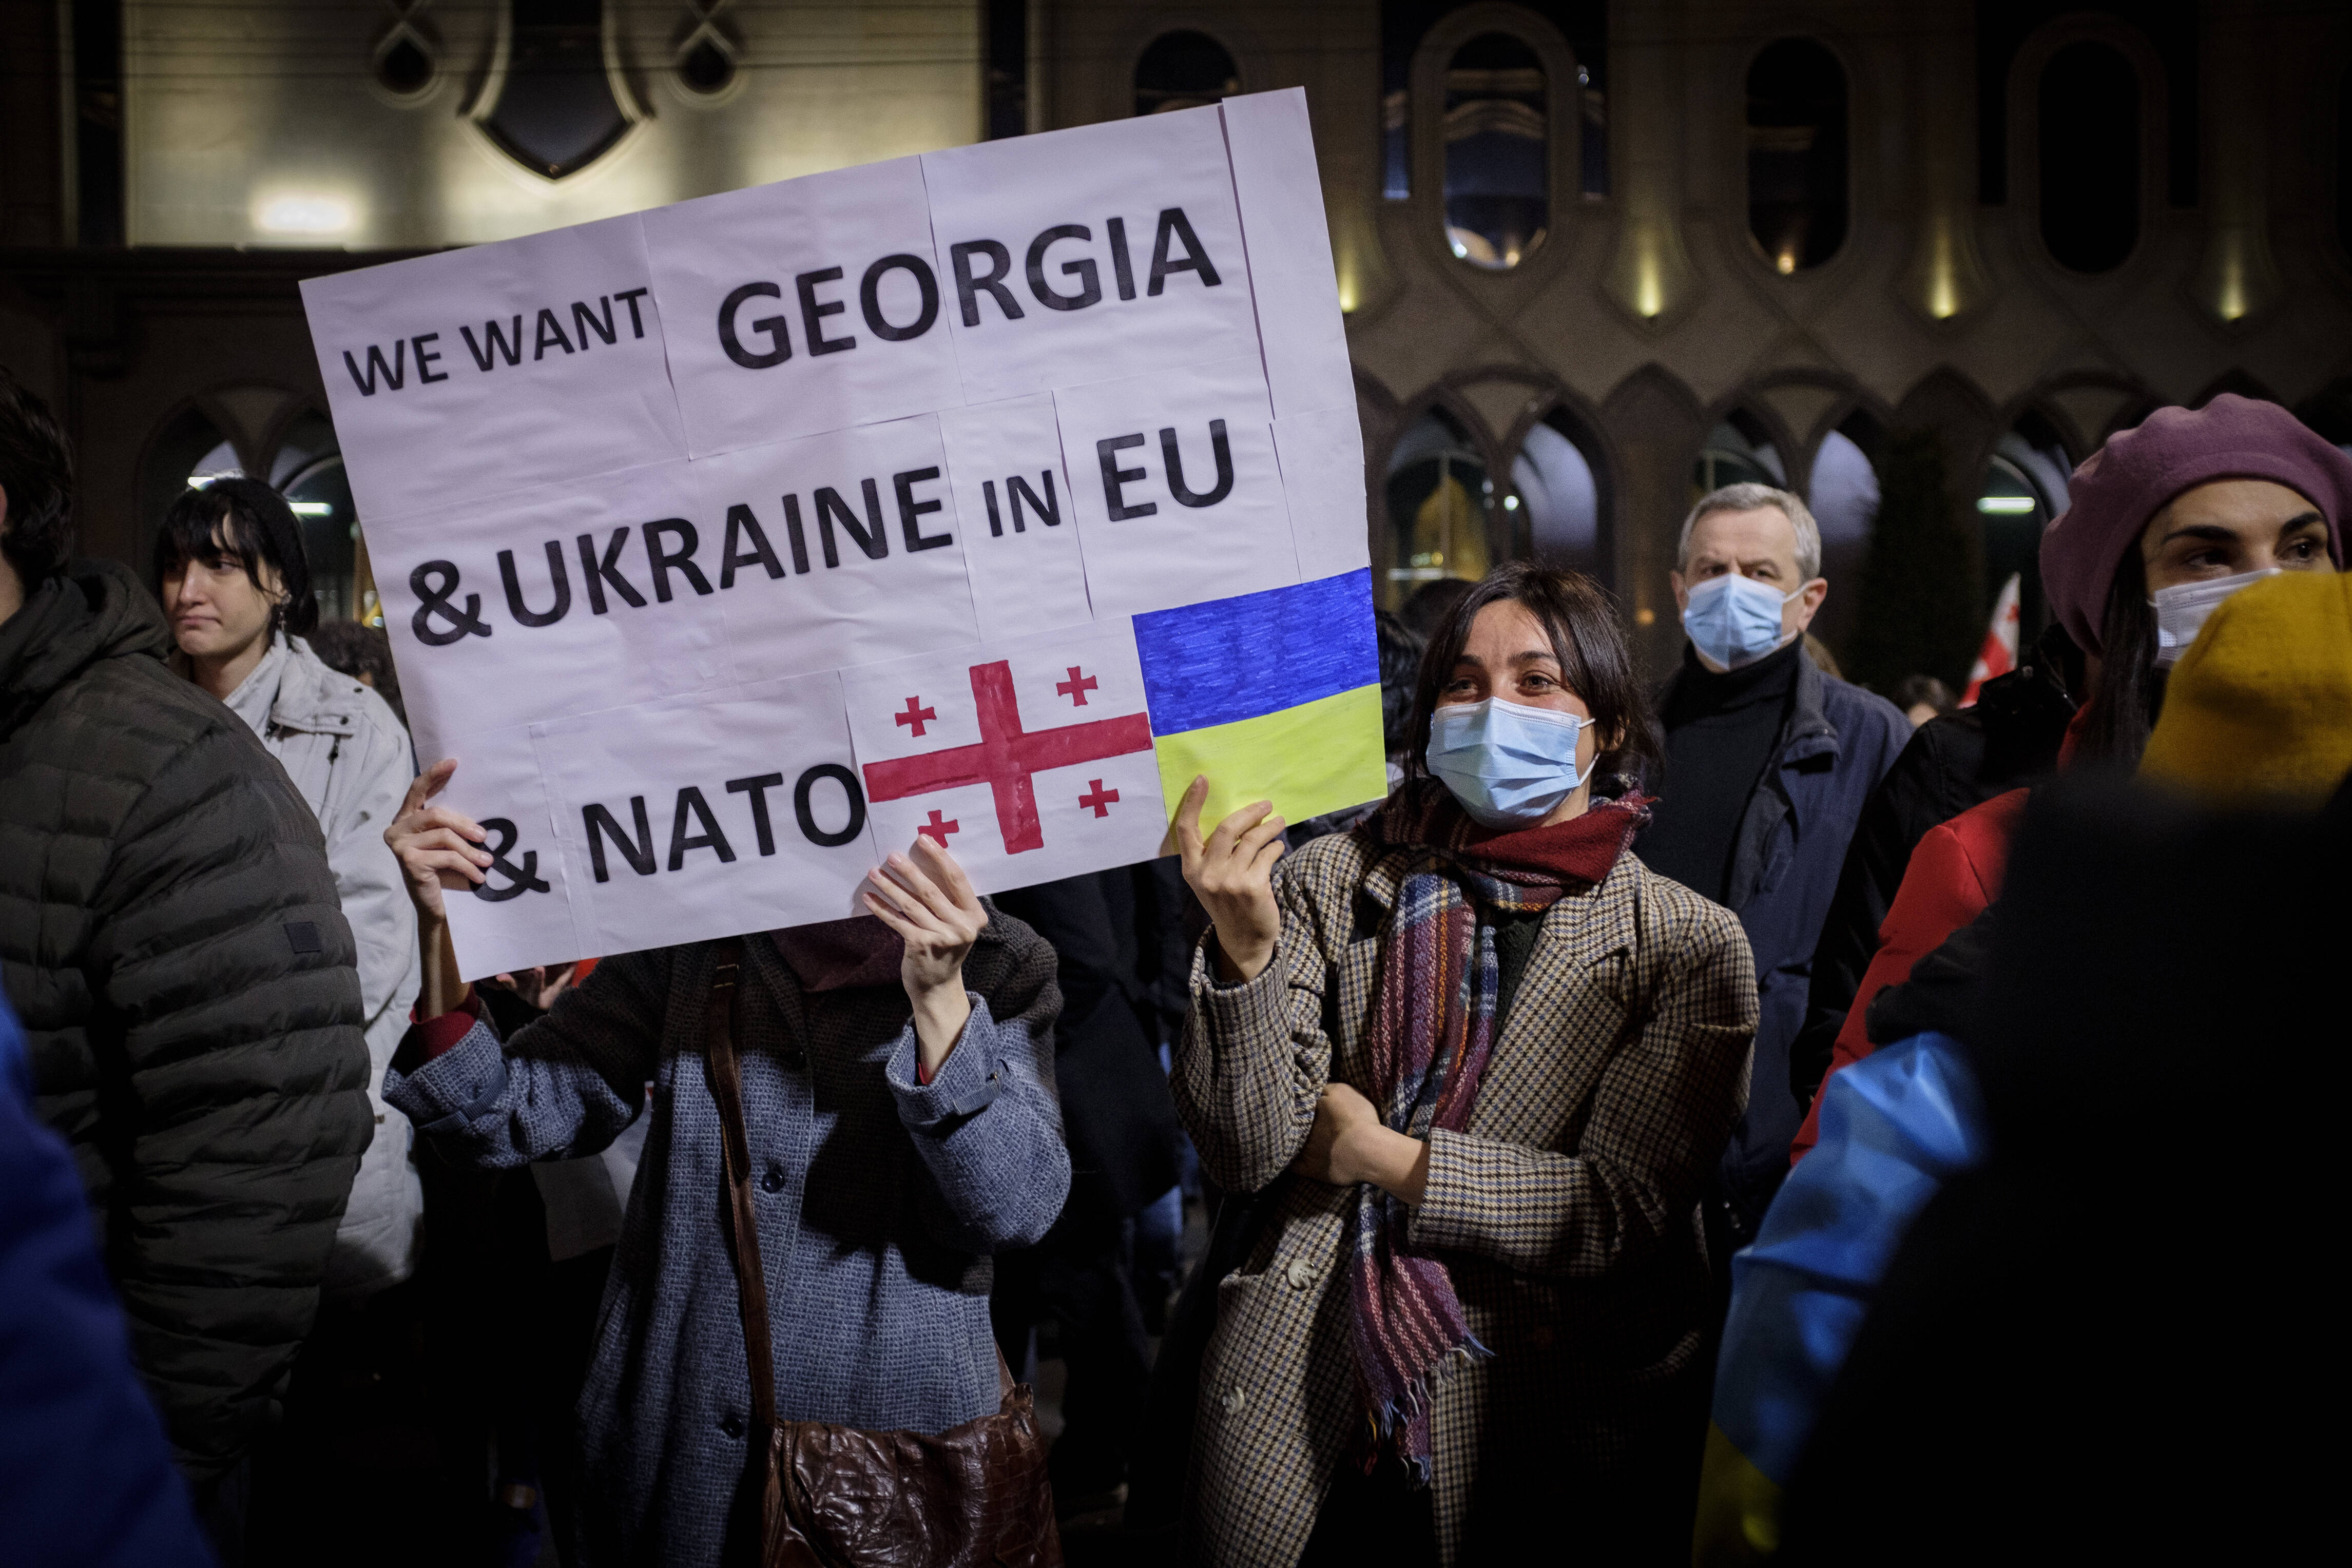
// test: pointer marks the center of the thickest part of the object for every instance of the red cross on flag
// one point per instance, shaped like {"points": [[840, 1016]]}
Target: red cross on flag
{"points": [[1035, 758]]}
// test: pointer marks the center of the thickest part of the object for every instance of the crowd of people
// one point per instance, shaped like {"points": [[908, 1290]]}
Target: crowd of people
{"points": [[1731, 1118]]}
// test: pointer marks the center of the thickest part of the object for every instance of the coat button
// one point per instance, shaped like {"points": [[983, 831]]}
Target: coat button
{"points": [[1234, 1401], [1300, 1274], [733, 1425], [773, 1179]]}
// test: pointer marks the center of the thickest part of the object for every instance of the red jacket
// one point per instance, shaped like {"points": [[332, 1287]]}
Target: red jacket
{"points": [[1953, 874]]}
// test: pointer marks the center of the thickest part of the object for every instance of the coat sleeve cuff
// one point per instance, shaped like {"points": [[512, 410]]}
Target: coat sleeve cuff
{"points": [[429, 1038], [966, 1083], [1452, 1194], [1246, 1008], [455, 1087]]}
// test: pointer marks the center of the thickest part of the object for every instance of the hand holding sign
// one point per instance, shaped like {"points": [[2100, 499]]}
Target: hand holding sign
{"points": [[925, 897], [1233, 872], [437, 848]]}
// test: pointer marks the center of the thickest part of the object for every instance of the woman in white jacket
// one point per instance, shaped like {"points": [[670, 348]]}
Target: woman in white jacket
{"points": [[237, 592]]}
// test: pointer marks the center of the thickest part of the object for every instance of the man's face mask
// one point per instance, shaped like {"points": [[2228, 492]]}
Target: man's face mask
{"points": [[2181, 609], [1508, 766], [1734, 620]]}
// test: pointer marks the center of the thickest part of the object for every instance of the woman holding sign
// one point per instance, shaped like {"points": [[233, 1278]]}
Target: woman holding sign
{"points": [[847, 1120], [1477, 1059]]}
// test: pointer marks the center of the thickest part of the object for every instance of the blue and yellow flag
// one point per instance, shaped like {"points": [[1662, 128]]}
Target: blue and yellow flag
{"points": [[1275, 695]]}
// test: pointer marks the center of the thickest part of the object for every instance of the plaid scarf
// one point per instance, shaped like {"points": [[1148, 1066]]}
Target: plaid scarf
{"points": [[1431, 1031]]}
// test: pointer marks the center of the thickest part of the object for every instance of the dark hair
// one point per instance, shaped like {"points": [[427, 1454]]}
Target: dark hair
{"points": [[360, 651], [2130, 689], [244, 521], [1400, 671], [1426, 610], [1913, 690], [1585, 638], [37, 472]]}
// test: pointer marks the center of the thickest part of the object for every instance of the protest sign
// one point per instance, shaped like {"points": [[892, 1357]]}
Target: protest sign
{"points": [[988, 494]]}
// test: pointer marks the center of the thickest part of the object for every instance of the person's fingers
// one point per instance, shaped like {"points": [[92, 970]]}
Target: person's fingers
{"points": [[442, 817], [447, 839], [1246, 848], [427, 784], [921, 891], [1188, 821], [879, 884], [946, 873], [889, 916], [1262, 864], [1221, 843], [449, 860]]}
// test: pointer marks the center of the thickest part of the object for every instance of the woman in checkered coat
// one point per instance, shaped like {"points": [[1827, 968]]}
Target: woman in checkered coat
{"points": [[1476, 1060]]}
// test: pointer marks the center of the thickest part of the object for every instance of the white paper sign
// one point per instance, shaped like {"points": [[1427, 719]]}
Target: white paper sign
{"points": [[728, 546], [688, 820], [1021, 537], [532, 361], [1092, 254], [803, 307], [1030, 758], [863, 550], [1177, 491]]}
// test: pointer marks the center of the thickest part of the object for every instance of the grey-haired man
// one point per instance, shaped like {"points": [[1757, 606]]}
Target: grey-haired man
{"points": [[1767, 762]]}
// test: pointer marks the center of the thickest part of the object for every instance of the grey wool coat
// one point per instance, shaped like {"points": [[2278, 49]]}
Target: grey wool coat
{"points": [[1566, 1212], [880, 1200]]}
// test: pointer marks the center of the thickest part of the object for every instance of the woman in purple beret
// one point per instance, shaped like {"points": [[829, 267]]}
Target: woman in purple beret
{"points": [[2168, 519]]}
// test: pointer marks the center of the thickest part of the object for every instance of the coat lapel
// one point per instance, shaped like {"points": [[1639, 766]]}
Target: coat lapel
{"points": [[1539, 1059]]}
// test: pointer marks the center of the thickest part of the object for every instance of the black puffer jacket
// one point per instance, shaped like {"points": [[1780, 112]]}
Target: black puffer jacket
{"points": [[170, 936]]}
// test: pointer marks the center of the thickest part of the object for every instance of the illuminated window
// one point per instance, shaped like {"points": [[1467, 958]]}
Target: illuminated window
{"points": [[1797, 154], [1183, 71], [556, 113], [1440, 504], [2089, 107], [1497, 159]]}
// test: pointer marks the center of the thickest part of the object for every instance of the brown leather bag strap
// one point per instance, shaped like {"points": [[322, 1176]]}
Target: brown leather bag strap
{"points": [[721, 1018]]}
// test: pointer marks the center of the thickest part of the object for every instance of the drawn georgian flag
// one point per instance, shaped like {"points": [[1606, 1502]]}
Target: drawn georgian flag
{"points": [[1999, 654], [1029, 757]]}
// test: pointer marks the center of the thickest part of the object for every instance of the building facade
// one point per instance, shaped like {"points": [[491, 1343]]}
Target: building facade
{"points": [[1595, 257]]}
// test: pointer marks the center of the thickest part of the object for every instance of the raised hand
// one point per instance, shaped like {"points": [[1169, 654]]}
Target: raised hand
{"points": [[1232, 874], [437, 848], [925, 897]]}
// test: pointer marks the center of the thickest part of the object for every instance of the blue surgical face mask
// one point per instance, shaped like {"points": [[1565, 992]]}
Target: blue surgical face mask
{"points": [[1508, 766], [1734, 620]]}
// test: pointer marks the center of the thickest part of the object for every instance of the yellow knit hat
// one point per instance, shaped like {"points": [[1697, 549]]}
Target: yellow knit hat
{"points": [[2260, 707]]}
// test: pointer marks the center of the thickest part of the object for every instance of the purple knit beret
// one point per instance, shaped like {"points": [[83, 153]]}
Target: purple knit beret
{"points": [[2131, 478]]}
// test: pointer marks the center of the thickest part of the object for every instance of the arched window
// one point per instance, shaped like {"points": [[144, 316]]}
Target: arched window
{"points": [[1183, 71], [2025, 487], [1739, 451], [555, 112], [308, 470], [1498, 160], [1797, 153], [1556, 495], [1440, 506], [2089, 157], [1842, 494]]}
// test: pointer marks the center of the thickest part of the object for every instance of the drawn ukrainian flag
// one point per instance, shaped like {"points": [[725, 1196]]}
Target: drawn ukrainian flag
{"points": [[1275, 695]]}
